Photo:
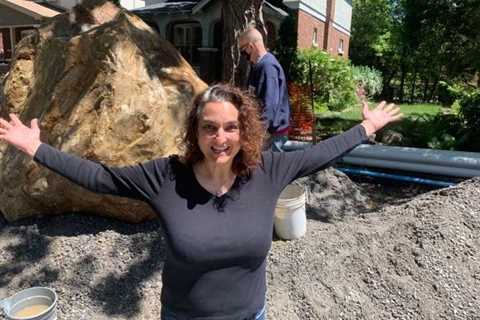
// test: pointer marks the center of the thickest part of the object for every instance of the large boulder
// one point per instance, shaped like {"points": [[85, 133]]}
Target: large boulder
{"points": [[104, 86]]}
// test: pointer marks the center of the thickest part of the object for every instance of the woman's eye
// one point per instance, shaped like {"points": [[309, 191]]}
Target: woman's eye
{"points": [[209, 128], [232, 127]]}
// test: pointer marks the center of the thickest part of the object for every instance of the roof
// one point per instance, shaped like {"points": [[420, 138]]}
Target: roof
{"points": [[30, 8], [189, 7], [167, 7], [276, 9]]}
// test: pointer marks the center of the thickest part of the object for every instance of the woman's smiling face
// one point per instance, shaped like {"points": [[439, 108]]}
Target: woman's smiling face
{"points": [[219, 132]]}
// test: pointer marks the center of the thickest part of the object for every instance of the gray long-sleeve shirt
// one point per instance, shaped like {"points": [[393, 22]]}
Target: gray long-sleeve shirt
{"points": [[215, 266]]}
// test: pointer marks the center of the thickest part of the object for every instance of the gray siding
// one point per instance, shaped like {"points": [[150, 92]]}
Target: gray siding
{"points": [[343, 14], [10, 17], [315, 8]]}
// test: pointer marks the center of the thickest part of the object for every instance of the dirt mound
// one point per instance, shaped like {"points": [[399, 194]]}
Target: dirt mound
{"points": [[416, 260], [332, 195]]}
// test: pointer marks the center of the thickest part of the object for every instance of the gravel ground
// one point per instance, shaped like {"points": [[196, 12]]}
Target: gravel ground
{"points": [[414, 257]]}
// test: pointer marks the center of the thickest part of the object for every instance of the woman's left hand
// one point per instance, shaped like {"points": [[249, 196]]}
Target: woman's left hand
{"points": [[376, 119]]}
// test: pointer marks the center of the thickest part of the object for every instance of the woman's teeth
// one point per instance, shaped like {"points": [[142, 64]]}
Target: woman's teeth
{"points": [[220, 149]]}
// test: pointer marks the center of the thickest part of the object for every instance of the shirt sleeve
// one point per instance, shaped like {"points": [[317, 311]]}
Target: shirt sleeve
{"points": [[269, 92], [284, 167], [139, 182]]}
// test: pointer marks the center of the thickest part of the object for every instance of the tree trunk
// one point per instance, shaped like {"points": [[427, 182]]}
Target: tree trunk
{"points": [[412, 89], [403, 73], [387, 86], [402, 86], [237, 16], [434, 89], [425, 89]]}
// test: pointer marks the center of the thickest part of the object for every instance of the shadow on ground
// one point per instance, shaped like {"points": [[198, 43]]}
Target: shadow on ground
{"points": [[28, 243]]}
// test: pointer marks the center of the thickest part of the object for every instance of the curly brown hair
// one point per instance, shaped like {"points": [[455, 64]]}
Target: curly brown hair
{"points": [[252, 129]]}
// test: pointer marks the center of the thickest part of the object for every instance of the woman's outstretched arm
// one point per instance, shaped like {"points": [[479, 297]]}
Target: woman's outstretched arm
{"points": [[140, 181], [285, 167]]}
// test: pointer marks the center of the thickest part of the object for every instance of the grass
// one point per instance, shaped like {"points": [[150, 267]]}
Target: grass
{"points": [[423, 126], [409, 111]]}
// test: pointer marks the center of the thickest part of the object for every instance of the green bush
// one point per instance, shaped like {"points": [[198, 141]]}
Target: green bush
{"points": [[470, 108], [440, 131], [447, 93], [370, 79], [333, 82]]}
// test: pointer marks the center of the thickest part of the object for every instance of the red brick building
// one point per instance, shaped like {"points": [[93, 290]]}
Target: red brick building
{"points": [[324, 24]]}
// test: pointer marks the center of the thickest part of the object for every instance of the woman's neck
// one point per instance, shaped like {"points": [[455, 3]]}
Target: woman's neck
{"points": [[217, 179]]}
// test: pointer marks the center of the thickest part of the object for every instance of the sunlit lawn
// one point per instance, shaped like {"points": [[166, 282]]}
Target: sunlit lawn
{"points": [[409, 110]]}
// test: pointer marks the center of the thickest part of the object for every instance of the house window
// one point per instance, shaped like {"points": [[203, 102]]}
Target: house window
{"points": [[315, 37], [6, 52], [28, 32], [22, 32], [187, 38], [340, 47]]}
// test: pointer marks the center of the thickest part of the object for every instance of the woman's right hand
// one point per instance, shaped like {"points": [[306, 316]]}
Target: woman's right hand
{"points": [[19, 135]]}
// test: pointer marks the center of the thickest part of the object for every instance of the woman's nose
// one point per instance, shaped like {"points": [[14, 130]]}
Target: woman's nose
{"points": [[220, 135]]}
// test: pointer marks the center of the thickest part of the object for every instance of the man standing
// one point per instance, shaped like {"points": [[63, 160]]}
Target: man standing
{"points": [[267, 81]]}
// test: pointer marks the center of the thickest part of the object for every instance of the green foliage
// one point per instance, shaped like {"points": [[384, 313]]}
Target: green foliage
{"points": [[371, 31], [409, 111], [448, 93], [417, 44], [424, 126], [435, 131], [369, 79], [466, 104], [332, 78], [470, 109], [444, 142]]}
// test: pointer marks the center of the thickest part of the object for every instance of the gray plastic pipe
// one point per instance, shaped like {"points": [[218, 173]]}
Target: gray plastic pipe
{"points": [[375, 174], [438, 162]]}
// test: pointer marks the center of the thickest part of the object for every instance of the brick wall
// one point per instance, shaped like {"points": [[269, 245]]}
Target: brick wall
{"points": [[306, 25], [335, 37]]}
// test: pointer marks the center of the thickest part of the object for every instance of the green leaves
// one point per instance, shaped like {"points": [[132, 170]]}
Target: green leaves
{"points": [[369, 79], [417, 43], [332, 78]]}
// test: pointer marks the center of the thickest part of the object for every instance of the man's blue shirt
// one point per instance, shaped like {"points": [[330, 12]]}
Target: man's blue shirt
{"points": [[267, 80]]}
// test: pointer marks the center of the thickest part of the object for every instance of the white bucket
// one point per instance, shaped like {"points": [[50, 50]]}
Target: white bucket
{"points": [[290, 217]]}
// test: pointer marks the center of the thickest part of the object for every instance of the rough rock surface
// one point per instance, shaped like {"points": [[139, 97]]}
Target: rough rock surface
{"points": [[104, 86], [416, 259]]}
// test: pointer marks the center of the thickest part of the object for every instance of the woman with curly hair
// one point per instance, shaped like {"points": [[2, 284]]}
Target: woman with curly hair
{"points": [[216, 201]]}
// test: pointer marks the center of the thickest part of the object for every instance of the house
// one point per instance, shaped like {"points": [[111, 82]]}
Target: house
{"points": [[195, 27], [68, 4], [19, 18], [324, 24]]}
